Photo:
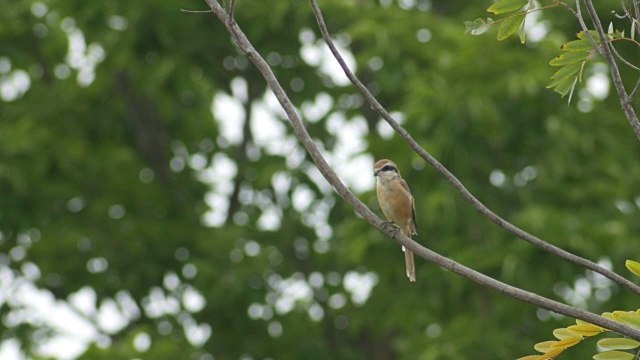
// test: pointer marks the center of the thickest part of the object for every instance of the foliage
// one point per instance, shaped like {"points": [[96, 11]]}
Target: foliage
{"points": [[576, 53], [209, 234], [574, 334]]}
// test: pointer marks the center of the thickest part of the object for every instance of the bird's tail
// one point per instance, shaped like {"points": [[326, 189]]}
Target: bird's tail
{"points": [[408, 255], [410, 264]]}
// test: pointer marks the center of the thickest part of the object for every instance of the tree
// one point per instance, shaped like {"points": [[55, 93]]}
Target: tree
{"points": [[273, 254]]}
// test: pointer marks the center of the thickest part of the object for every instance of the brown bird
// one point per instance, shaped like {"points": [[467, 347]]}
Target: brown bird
{"points": [[397, 204]]}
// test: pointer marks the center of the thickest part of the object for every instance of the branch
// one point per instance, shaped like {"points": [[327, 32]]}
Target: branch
{"points": [[332, 178], [623, 60], [625, 100], [635, 90], [480, 207]]}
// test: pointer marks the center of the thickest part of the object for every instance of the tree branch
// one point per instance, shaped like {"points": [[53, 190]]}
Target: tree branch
{"points": [[623, 60], [480, 207], [635, 90], [328, 173], [625, 100]]}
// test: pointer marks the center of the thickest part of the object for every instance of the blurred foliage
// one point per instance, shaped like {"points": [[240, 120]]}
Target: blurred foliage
{"points": [[117, 180]]}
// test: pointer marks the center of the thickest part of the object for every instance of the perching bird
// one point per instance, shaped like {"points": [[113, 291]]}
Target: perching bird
{"points": [[397, 204]]}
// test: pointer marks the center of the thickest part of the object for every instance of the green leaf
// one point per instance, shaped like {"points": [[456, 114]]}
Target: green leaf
{"points": [[583, 36], [510, 25], [564, 73], [478, 26], [633, 266], [522, 33], [613, 355], [504, 6], [568, 58], [577, 45], [567, 71], [618, 344]]}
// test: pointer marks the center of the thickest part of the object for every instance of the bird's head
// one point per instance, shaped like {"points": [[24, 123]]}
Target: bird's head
{"points": [[385, 169]]}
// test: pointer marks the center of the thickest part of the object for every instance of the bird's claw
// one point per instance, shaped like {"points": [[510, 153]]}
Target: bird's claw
{"points": [[388, 224]]}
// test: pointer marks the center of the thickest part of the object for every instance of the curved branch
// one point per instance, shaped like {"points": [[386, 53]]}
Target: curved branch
{"points": [[480, 207], [625, 100], [328, 173]]}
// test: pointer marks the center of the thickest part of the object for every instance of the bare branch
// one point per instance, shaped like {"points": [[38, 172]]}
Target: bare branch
{"points": [[332, 178], [625, 101], [232, 8], [622, 59], [480, 207], [196, 11], [635, 90]]}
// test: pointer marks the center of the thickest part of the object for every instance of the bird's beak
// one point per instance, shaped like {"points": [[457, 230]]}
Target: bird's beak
{"points": [[375, 173]]}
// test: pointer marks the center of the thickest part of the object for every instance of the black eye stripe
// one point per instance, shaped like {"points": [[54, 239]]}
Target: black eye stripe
{"points": [[389, 168]]}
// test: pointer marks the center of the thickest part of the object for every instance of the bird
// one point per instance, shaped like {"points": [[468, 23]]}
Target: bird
{"points": [[397, 204]]}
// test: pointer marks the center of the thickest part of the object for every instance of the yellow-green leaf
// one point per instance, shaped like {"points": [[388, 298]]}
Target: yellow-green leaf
{"points": [[504, 6], [616, 314], [566, 343], [631, 320], [584, 330], [529, 357], [577, 45], [544, 346], [568, 58], [614, 355], [563, 333], [633, 266], [618, 344], [551, 354], [610, 316], [510, 25]]}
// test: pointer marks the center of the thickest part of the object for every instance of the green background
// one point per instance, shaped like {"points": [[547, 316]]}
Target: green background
{"points": [[104, 182]]}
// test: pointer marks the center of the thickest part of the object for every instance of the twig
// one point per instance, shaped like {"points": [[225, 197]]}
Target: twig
{"points": [[332, 178], [232, 8], [635, 90], [634, 19], [625, 102], [480, 207], [196, 11], [622, 59]]}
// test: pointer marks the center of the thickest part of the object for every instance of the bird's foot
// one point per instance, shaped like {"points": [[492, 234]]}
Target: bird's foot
{"points": [[388, 225]]}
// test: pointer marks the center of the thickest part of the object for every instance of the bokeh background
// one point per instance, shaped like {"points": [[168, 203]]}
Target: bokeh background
{"points": [[155, 204]]}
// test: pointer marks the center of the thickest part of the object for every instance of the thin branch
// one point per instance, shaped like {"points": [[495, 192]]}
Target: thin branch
{"points": [[332, 178], [635, 90], [232, 8], [196, 11], [625, 102], [634, 19], [480, 207], [622, 59]]}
